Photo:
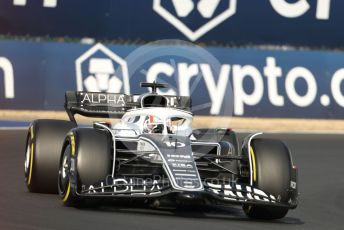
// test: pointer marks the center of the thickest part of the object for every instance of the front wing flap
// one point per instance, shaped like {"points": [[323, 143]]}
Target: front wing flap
{"points": [[226, 193]]}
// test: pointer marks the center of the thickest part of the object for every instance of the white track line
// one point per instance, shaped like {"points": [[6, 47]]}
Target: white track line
{"points": [[315, 132], [14, 128]]}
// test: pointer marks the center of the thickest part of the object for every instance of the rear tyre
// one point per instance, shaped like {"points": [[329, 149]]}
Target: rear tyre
{"points": [[271, 174], [43, 150]]}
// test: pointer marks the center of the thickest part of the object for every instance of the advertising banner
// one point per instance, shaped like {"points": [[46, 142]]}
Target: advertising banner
{"points": [[221, 81], [280, 22]]}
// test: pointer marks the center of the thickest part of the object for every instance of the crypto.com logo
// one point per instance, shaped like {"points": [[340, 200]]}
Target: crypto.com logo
{"points": [[7, 68], [101, 70], [206, 8]]}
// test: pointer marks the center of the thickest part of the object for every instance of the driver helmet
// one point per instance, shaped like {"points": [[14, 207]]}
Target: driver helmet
{"points": [[153, 124]]}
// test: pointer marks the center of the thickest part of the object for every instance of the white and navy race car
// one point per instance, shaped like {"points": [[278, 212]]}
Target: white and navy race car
{"points": [[154, 154]]}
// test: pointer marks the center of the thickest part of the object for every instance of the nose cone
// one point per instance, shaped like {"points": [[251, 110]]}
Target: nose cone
{"points": [[190, 198]]}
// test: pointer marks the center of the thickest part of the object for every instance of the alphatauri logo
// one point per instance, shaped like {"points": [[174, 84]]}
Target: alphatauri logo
{"points": [[212, 12], [101, 70]]}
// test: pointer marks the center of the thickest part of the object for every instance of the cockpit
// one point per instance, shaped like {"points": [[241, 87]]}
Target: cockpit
{"points": [[157, 120]]}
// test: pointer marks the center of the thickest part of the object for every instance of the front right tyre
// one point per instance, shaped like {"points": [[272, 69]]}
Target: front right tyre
{"points": [[86, 160], [67, 179]]}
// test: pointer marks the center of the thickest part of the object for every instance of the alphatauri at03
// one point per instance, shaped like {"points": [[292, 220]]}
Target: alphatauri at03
{"points": [[154, 154]]}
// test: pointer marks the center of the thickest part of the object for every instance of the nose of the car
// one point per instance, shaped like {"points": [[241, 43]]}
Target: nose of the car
{"points": [[190, 198]]}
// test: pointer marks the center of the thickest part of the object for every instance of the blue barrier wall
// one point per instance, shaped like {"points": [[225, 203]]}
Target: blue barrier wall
{"points": [[292, 84], [307, 22]]}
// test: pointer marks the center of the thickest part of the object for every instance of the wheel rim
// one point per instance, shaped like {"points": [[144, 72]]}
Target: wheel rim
{"points": [[64, 171], [27, 157], [28, 160]]}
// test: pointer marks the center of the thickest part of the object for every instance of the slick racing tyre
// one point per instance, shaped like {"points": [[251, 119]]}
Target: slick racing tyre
{"points": [[86, 159], [66, 188], [43, 149], [272, 168]]}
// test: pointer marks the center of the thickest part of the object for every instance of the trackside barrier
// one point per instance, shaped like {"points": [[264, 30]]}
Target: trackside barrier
{"points": [[247, 83], [284, 22]]}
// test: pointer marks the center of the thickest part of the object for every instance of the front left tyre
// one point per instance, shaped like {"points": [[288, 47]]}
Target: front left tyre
{"points": [[272, 173]]}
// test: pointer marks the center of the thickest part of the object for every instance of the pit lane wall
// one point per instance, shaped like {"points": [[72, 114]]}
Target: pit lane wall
{"points": [[243, 83]]}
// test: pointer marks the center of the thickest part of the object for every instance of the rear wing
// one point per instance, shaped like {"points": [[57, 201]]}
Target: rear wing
{"points": [[115, 105]]}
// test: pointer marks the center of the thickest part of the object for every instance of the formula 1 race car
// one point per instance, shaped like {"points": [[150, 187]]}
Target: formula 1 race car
{"points": [[154, 154]]}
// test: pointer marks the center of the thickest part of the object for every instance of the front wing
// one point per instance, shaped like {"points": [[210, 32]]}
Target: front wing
{"points": [[225, 193]]}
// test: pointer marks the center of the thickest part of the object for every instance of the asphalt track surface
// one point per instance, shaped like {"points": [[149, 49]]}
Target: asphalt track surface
{"points": [[319, 158]]}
